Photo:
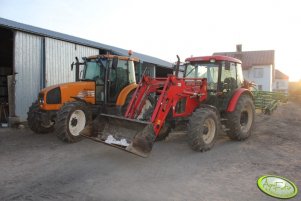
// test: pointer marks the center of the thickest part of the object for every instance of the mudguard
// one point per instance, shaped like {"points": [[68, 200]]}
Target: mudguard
{"points": [[236, 96]]}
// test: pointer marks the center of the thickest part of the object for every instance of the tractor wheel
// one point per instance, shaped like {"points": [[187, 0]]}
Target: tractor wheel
{"points": [[146, 115], [240, 122], [71, 120], [35, 122], [203, 129]]}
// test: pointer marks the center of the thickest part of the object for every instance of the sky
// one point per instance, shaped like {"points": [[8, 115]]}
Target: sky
{"points": [[165, 28]]}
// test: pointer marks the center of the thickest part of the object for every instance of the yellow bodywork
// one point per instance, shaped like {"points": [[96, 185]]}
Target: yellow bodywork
{"points": [[124, 93], [83, 90]]}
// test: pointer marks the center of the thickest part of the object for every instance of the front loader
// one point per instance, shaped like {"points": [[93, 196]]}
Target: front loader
{"points": [[211, 94]]}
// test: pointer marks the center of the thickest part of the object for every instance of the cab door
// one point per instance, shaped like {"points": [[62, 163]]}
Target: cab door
{"points": [[228, 83], [118, 79]]}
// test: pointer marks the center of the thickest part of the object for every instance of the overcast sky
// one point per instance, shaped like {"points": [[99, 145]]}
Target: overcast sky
{"points": [[165, 28]]}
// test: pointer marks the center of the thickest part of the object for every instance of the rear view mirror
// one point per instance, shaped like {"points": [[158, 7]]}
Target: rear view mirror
{"points": [[72, 66], [115, 62]]}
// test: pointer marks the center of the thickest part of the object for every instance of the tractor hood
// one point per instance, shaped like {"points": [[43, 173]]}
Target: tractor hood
{"points": [[53, 97]]}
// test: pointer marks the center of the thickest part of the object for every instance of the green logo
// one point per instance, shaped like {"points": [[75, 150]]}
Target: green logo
{"points": [[276, 186]]}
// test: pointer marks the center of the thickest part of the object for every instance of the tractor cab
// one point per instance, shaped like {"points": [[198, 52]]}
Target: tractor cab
{"points": [[110, 73], [223, 74]]}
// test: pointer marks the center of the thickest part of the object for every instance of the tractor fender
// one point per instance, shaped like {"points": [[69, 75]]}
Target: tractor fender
{"points": [[236, 96], [124, 93]]}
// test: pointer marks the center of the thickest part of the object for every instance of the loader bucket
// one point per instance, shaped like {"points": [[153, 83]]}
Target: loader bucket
{"points": [[130, 135]]}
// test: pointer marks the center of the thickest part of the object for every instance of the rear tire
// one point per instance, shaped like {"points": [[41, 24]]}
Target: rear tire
{"points": [[240, 122], [35, 122], [203, 129], [71, 119]]}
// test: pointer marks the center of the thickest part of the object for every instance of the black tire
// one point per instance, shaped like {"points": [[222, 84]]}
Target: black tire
{"points": [[166, 128], [240, 122], [68, 129], [35, 122], [203, 129]]}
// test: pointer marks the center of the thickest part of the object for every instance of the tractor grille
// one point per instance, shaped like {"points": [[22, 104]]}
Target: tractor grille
{"points": [[54, 96]]}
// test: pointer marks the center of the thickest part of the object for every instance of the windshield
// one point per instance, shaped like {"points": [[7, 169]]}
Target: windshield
{"points": [[94, 70], [204, 70]]}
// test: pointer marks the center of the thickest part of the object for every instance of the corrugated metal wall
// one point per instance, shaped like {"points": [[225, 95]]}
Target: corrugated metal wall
{"points": [[28, 65], [59, 56]]}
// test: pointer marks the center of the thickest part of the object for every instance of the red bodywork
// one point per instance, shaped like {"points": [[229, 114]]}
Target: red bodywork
{"points": [[235, 97], [215, 57], [170, 90]]}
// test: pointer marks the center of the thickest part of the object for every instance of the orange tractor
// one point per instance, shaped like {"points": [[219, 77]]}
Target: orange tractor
{"points": [[106, 82], [211, 93]]}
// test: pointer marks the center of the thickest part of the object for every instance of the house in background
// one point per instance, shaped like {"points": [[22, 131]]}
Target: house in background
{"points": [[281, 82], [258, 66]]}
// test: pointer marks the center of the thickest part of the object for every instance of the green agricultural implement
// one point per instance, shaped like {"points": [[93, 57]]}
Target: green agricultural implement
{"points": [[267, 101]]}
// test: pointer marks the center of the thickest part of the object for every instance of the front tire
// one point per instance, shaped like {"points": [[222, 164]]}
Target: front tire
{"points": [[240, 122], [35, 122], [203, 129], [71, 120]]}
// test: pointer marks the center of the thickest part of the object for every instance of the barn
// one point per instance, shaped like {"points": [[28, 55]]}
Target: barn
{"points": [[32, 58]]}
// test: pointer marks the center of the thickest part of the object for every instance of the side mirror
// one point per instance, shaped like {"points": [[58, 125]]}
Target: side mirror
{"points": [[72, 66], [115, 62]]}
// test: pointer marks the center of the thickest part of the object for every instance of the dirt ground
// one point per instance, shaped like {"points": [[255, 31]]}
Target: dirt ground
{"points": [[40, 167]]}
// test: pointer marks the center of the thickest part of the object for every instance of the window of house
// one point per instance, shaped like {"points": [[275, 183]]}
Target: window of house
{"points": [[258, 72]]}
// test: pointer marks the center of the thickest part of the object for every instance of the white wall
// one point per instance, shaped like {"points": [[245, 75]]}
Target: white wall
{"points": [[59, 56], [280, 85], [28, 64], [264, 78]]}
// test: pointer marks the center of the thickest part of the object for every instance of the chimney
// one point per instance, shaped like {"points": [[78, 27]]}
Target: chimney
{"points": [[239, 48]]}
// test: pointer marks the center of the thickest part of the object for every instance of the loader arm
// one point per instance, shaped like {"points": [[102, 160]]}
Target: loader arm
{"points": [[138, 136], [170, 91]]}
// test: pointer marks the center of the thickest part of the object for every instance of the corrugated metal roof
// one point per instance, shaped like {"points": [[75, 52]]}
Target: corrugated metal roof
{"points": [[280, 75], [252, 58], [52, 34]]}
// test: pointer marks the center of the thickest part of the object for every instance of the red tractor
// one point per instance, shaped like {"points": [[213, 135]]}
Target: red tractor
{"points": [[211, 95]]}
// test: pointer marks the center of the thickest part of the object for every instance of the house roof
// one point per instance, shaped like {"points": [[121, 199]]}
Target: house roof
{"points": [[281, 76], [60, 36], [252, 58]]}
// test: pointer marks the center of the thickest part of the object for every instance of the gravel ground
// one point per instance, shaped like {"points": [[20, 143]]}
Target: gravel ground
{"points": [[40, 167]]}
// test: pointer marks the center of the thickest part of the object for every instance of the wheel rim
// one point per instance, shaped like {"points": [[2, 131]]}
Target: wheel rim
{"points": [[246, 117], [209, 130], [77, 122]]}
